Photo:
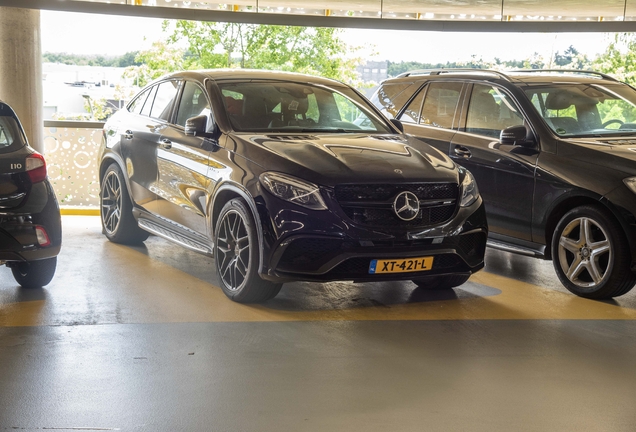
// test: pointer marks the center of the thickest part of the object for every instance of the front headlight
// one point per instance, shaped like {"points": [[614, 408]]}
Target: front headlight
{"points": [[470, 193], [293, 190], [630, 182]]}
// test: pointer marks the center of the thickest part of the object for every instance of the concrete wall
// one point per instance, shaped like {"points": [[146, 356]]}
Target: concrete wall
{"points": [[21, 69]]}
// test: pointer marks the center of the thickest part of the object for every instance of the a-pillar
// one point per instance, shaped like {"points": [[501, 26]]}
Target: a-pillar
{"points": [[21, 69]]}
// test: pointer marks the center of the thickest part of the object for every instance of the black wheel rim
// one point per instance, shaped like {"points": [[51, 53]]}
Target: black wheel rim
{"points": [[111, 202], [585, 253], [233, 250]]}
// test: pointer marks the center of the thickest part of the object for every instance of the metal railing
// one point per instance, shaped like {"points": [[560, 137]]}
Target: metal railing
{"points": [[70, 149]]}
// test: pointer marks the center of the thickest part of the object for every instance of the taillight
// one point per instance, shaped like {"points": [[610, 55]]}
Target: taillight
{"points": [[43, 237], [36, 167]]}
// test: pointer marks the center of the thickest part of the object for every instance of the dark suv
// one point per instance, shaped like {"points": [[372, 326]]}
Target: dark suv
{"points": [[286, 177], [30, 225], [553, 153]]}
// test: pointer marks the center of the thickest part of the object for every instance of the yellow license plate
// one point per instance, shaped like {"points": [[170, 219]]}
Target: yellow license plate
{"points": [[379, 266]]}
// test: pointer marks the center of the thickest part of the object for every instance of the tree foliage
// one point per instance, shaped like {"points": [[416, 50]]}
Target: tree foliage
{"points": [[317, 51], [159, 60], [124, 60], [569, 59], [619, 59]]}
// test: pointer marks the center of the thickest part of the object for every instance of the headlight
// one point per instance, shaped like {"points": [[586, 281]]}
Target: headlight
{"points": [[630, 182], [293, 190], [470, 193]]}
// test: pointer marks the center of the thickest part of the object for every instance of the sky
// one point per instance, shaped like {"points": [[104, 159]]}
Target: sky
{"points": [[115, 35]]}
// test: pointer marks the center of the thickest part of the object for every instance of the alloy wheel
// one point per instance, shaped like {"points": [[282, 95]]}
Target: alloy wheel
{"points": [[233, 250], [585, 252], [111, 202]]}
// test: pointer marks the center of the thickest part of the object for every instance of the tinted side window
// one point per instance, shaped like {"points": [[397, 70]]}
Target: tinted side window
{"points": [[412, 112], [193, 103], [138, 103], [440, 104], [490, 111], [390, 98], [148, 105], [10, 133], [166, 93]]}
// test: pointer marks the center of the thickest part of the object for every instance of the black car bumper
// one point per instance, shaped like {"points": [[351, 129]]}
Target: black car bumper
{"points": [[327, 247], [18, 227]]}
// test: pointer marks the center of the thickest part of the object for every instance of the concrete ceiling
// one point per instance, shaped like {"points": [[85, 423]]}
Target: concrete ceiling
{"points": [[439, 15]]}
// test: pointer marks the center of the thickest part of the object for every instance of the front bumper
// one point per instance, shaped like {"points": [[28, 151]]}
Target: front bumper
{"points": [[324, 246]]}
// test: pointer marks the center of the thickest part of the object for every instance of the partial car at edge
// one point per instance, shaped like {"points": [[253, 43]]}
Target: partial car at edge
{"points": [[30, 224], [553, 153]]}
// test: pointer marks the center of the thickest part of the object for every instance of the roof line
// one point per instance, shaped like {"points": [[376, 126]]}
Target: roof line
{"points": [[324, 21]]}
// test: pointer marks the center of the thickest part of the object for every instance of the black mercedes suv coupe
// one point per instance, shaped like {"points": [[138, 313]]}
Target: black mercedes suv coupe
{"points": [[554, 154], [30, 224], [286, 177]]}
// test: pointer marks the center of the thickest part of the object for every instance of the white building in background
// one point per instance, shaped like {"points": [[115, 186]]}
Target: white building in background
{"points": [[66, 88]]}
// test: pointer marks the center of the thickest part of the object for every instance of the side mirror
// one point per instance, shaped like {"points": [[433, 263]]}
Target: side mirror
{"points": [[517, 135], [196, 126], [398, 124]]}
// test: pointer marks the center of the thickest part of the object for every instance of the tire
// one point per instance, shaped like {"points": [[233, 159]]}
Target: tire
{"points": [[590, 254], [444, 282], [236, 251], [118, 223], [34, 274]]}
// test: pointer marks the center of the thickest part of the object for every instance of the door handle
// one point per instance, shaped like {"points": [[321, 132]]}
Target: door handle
{"points": [[462, 151], [128, 134], [166, 144]]}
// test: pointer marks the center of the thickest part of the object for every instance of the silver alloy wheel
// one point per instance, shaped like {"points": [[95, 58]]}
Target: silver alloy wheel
{"points": [[585, 252], [233, 250], [111, 202]]}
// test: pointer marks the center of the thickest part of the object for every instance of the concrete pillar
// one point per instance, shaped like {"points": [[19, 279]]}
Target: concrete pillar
{"points": [[21, 69]]}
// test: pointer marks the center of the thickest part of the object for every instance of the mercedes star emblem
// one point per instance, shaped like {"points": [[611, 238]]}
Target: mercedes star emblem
{"points": [[406, 205]]}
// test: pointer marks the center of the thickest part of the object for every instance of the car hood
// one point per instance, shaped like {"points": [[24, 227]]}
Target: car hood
{"points": [[617, 153], [331, 159]]}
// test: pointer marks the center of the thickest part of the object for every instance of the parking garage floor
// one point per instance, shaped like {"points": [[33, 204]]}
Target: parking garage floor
{"points": [[142, 339]]}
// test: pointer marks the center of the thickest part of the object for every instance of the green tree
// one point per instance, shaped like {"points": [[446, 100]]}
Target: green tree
{"points": [[97, 108], [619, 59], [318, 51], [159, 60], [125, 60]]}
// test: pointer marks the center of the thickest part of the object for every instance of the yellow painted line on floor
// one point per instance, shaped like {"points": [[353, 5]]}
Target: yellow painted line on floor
{"points": [[78, 211], [124, 285]]}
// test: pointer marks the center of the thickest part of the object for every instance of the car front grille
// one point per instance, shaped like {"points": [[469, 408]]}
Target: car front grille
{"points": [[372, 204]]}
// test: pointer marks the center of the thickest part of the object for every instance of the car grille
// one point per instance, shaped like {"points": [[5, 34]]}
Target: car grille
{"points": [[372, 204], [472, 246]]}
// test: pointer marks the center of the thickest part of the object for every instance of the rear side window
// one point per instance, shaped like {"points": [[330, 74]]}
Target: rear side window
{"points": [[148, 105], [10, 133], [390, 98], [162, 105], [440, 104], [138, 103], [412, 113]]}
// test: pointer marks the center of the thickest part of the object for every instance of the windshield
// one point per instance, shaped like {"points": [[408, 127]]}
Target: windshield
{"points": [[586, 109], [297, 107]]}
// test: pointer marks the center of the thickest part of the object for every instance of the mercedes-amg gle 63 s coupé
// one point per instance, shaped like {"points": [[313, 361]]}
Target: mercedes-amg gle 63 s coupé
{"points": [[286, 177]]}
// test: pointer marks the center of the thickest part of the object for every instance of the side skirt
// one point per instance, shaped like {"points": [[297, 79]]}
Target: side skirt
{"points": [[174, 232]]}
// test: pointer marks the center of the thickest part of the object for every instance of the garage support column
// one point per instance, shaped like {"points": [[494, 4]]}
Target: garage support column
{"points": [[21, 69]]}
